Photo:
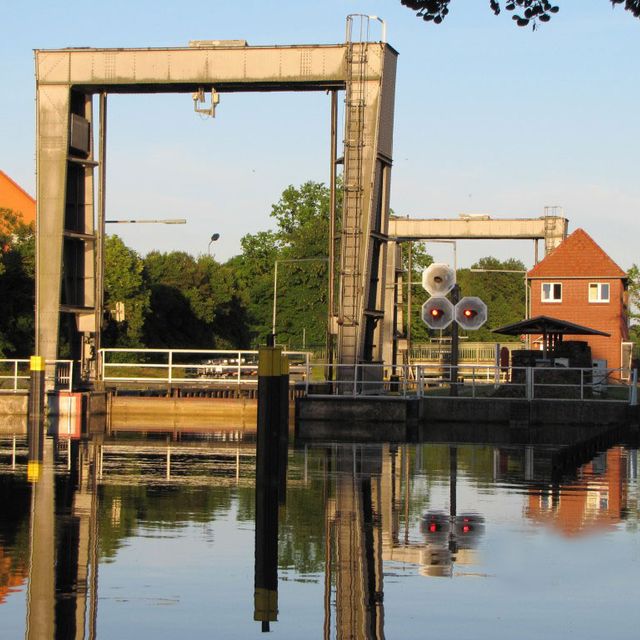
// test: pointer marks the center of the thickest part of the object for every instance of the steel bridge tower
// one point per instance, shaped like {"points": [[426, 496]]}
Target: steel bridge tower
{"points": [[71, 174]]}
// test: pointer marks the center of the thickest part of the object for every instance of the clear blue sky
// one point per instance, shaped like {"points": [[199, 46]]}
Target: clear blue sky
{"points": [[490, 118]]}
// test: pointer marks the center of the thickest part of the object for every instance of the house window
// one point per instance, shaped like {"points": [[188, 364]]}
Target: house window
{"points": [[598, 292], [551, 292]]}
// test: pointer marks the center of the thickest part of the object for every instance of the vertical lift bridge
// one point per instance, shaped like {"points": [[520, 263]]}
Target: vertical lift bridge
{"points": [[70, 221]]}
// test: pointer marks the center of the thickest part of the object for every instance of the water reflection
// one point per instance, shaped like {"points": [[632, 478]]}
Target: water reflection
{"points": [[343, 540], [595, 500]]}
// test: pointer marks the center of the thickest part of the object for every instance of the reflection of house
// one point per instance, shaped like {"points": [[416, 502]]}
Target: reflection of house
{"points": [[580, 283], [597, 501], [14, 197], [12, 575]]}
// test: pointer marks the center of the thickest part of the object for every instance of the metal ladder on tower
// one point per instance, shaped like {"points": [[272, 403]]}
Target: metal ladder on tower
{"points": [[351, 289]]}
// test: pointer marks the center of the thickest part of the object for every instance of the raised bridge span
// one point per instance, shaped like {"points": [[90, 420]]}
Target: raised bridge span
{"points": [[70, 224], [71, 221]]}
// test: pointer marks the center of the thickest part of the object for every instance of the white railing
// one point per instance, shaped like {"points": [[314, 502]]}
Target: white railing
{"points": [[15, 374], [476, 381], [477, 352], [193, 366]]}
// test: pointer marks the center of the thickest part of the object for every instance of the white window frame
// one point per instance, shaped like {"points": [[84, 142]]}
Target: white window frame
{"points": [[552, 286], [599, 299]]}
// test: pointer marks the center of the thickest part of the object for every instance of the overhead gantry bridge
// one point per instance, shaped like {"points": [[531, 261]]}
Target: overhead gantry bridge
{"points": [[70, 223], [551, 229]]}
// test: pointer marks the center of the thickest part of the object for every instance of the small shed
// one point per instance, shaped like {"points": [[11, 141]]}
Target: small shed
{"points": [[552, 331]]}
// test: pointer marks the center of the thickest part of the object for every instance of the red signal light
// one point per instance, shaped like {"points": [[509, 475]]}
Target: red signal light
{"points": [[469, 313], [433, 527], [437, 313]]}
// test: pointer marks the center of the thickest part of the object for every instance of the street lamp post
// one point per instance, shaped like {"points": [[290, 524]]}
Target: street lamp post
{"points": [[214, 238], [101, 240], [147, 221], [275, 286]]}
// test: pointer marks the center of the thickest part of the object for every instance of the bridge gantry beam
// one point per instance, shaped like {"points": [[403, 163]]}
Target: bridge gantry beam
{"points": [[69, 236], [550, 228]]}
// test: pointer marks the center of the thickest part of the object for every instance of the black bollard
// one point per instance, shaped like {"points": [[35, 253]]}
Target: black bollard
{"points": [[283, 430], [35, 418], [268, 449]]}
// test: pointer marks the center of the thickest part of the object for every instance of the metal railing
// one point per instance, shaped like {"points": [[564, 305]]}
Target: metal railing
{"points": [[478, 352], [192, 366], [477, 381], [15, 374]]}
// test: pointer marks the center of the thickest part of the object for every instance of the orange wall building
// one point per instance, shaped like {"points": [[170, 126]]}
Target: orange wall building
{"points": [[14, 197], [580, 283]]}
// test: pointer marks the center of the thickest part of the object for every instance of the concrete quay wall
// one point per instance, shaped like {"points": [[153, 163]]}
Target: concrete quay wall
{"points": [[507, 411], [543, 412]]}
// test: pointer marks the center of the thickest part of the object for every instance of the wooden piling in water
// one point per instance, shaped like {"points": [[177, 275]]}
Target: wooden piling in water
{"points": [[35, 417]]}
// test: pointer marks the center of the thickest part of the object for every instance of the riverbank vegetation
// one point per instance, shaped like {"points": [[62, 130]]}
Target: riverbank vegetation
{"points": [[177, 300]]}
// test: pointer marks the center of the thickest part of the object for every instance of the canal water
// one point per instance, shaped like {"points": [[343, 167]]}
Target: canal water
{"points": [[148, 538]]}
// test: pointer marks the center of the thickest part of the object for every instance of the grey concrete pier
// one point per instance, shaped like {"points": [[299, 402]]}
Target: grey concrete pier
{"points": [[491, 420]]}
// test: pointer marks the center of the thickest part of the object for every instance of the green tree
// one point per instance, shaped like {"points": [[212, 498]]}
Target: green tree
{"points": [[300, 244], [124, 282], [193, 302], [420, 260], [253, 270], [503, 293], [302, 215], [17, 285]]}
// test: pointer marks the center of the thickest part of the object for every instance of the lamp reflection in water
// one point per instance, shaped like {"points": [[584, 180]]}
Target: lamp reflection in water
{"points": [[449, 536]]}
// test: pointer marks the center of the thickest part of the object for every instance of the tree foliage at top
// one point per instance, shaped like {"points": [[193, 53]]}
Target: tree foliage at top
{"points": [[525, 12]]}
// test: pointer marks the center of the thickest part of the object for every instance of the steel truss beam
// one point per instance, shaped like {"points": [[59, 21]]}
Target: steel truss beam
{"points": [[69, 278]]}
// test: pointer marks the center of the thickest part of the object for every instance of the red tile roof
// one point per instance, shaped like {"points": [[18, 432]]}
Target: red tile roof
{"points": [[13, 196], [577, 256]]}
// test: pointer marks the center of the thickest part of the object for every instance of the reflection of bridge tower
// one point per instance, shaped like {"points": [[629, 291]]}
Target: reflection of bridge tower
{"points": [[63, 570], [356, 544], [41, 593]]}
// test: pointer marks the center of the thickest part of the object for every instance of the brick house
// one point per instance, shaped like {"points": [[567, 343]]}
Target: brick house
{"points": [[14, 197], [580, 283]]}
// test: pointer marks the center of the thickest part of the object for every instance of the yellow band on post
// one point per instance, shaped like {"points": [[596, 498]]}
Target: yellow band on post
{"points": [[284, 366], [270, 361], [265, 605], [36, 363], [33, 471]]}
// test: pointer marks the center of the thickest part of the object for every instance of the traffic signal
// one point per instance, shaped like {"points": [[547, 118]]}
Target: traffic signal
{"points": [[435, 526], [437, 313], [468, 528], [438, 279], [471, 313]]}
